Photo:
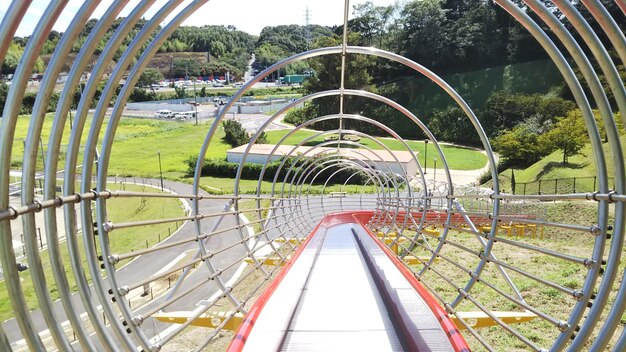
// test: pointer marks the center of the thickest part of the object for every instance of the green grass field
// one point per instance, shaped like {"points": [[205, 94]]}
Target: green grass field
{"points": [[121, 241], [219, 185], [138, 142], [458, 158], [547, 299]]}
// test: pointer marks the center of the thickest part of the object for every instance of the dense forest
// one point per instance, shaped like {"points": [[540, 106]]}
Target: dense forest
{"points": [[474, 45], [502, 72]]}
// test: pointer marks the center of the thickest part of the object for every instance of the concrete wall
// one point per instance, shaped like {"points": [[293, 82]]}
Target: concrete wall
{"points": [[149, 106], [257, 108], [252, 158]]}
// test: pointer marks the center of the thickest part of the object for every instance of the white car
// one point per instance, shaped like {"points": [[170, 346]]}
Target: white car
{"points": [[186, 115], [165, 114]]}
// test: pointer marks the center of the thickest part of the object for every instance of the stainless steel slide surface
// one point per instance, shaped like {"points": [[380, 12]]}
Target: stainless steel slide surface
{"points": [[343, 293]]}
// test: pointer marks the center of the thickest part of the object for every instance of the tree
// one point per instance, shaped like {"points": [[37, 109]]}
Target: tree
{"points": [[149, 77], [453, 125], [474, 39], [214, 68], [12, 58], [186, 68], [181, 92], [372, 22], [423, 32], [503, 110], [139, 94], [262, 139], [234, 133], [327, 76], [520, 145], [4, 90], [569, 135]]}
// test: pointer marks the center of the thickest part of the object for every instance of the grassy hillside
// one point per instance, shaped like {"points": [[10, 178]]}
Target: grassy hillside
{"points": [[580, 165], [476, 86], [552, 167]]}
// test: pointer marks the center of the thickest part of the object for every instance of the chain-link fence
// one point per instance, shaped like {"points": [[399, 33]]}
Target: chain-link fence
{"points": [[559, 185]]}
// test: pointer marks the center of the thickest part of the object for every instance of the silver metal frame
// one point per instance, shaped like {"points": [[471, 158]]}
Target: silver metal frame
{"points": [[293, 205]]}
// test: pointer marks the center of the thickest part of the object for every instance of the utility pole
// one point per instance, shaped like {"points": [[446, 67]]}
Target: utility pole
{"points": [[160, 169]]}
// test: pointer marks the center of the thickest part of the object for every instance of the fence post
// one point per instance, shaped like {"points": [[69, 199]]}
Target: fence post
{"points": [[574, 184], [594, 183], [556, 184], [539, 189], [146, 243], [524, 188], [40, 240]]}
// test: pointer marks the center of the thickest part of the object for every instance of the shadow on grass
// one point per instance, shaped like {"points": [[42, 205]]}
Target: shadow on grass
{"points": [[559, 165]]}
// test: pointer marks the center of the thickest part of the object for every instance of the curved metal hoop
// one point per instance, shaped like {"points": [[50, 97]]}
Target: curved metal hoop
{"points": [[231, 246]]}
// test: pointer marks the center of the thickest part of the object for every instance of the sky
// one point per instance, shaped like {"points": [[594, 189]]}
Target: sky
{"points": [[247, 15]]}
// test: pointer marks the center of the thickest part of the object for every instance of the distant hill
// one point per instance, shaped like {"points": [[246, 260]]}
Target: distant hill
{"points": [[161, 61]]}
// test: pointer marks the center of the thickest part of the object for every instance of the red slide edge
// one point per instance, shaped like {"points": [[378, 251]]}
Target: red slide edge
{"points": [[246, 326], [456, 338]]}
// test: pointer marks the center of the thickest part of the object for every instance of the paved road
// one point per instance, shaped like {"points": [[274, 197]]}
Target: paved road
{"points": [[253, 122], [149, 264]]}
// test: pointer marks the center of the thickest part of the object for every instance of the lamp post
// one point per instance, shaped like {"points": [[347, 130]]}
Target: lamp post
{"points": [[195, 99], [434, 173], [160, 169], [425, 156]]}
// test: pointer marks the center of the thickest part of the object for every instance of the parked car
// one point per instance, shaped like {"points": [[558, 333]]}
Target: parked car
{"points": [[217, 84], [165, 114], [186, 115]]}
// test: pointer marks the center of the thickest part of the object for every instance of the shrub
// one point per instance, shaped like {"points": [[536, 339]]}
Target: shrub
{"points": [[234, 133]]}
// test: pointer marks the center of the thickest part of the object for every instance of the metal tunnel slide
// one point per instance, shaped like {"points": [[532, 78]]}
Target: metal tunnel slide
{"points": [[372, 305], [435, 263]]}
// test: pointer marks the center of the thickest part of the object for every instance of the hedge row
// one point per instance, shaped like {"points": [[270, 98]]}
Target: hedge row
{"points": [[250, 171]]}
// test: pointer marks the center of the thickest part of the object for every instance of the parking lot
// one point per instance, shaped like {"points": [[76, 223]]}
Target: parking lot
{"points": [[250, 122]]}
